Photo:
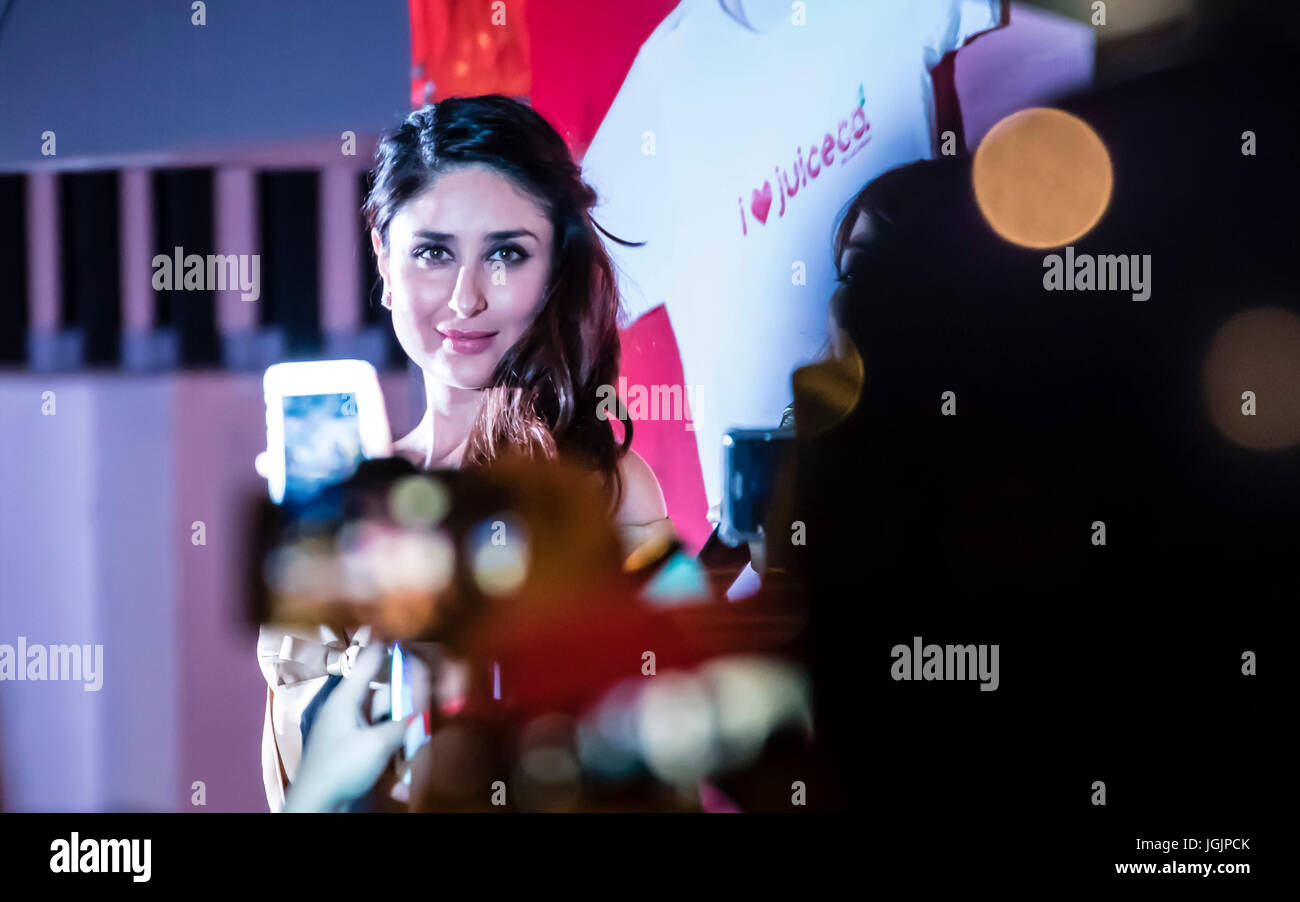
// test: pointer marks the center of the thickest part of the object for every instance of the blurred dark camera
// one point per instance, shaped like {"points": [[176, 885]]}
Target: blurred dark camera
{"points": [[422, 555]]}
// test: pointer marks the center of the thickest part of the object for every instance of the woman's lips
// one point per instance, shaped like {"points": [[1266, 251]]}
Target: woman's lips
{"points": [[459, 342]]}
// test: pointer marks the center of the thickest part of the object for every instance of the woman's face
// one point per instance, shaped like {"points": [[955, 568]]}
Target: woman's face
{"points": [[848, 257], [467, 264]]}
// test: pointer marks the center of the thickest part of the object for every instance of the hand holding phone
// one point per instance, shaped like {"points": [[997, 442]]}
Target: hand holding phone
{"points": [[345, 755]]}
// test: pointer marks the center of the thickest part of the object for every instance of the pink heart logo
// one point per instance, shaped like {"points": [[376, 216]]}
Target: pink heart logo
{"points": [[761, 202]]}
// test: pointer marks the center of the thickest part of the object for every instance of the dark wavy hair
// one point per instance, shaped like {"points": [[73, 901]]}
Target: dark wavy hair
{"points": [[900, 198], [543, 397]]}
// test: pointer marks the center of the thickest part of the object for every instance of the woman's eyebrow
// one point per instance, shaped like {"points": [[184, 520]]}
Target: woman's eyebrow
{"points": [[510, 233], [444, 237]]}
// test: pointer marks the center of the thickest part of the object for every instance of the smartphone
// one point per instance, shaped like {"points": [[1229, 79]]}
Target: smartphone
{"points": [[753, 460], [323, 417]]}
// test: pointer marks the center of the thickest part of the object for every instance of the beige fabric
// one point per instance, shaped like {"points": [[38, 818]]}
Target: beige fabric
{"points": [[296, 663]]}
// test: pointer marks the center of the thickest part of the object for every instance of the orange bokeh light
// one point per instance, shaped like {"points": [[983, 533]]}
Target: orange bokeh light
{"points": [[1042, 178]]}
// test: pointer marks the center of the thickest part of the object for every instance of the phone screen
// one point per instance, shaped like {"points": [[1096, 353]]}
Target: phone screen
{"points": [[754, 461], [409, 685], [322, 442]]}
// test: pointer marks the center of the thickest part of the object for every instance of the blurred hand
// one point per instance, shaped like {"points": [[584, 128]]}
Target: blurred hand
{"points": [[345, 756]]}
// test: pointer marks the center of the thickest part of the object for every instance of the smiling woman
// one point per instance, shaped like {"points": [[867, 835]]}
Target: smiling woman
{"points": [[463, 291], [502, 293]]}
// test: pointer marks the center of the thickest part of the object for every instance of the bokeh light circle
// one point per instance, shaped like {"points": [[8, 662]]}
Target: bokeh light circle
{"points": [[1042, 178], [1257, 351], [499, 554], [418, 501]]}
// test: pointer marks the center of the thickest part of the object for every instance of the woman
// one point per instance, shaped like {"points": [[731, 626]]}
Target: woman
{"points": [[501, 292], [897, 201], [902, 201]]}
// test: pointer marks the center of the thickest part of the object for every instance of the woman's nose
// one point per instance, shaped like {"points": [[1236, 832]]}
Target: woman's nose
{"points": [[466, 299]]}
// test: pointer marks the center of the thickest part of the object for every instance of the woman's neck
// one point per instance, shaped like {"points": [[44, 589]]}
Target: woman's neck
{"points": [[449, 414]]}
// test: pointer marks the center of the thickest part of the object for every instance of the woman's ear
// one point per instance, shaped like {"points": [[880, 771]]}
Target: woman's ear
{"points": [[381, 259], [381, 252]]}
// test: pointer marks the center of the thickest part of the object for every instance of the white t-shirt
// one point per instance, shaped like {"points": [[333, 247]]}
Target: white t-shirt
{"points": [[732, 149]]}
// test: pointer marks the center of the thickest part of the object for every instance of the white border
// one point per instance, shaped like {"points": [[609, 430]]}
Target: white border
{"points": [[322, 377]]}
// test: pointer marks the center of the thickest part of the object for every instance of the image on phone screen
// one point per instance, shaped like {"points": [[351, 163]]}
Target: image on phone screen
{"points": [[322, 442]]}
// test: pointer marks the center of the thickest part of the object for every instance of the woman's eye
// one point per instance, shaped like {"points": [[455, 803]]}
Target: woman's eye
{"points": [[433, 253], [847, 263], [508, 254]]}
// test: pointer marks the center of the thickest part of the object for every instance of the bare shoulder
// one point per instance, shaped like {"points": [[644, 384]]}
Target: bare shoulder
{"points": [[410, 448], [643, 499]]}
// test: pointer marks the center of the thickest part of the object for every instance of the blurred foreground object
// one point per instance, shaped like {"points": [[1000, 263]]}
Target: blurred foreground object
{"points": [[575, 678], [419, 555]]}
